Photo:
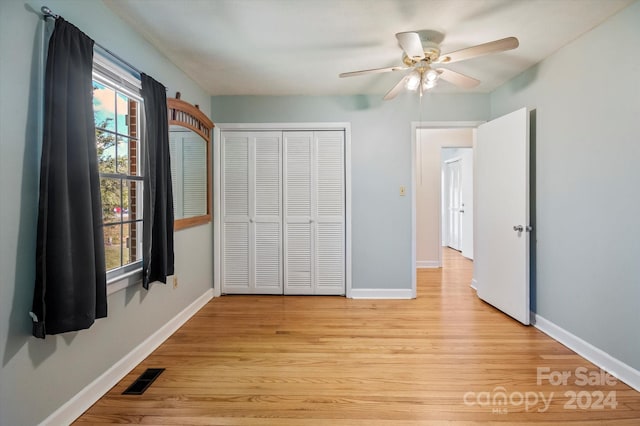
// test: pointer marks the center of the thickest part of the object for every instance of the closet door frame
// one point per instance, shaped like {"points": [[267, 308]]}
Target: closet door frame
{"points": [[249, 127]]}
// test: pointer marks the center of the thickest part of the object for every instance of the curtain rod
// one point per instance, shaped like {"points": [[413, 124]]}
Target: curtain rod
{"points": [[47, 13]]}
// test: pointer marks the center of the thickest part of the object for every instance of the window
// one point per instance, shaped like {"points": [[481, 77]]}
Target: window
{"points": [[117, 108]]}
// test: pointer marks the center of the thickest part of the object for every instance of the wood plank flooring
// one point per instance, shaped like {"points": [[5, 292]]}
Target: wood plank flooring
{"points": [[443, 358]]}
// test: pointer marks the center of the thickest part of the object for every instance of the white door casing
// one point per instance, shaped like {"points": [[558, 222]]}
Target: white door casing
{"points": [[501, 264], [466, 205]]}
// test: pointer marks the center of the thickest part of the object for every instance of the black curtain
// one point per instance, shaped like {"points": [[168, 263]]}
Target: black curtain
{"points": [[157, 258], [70, 289]]}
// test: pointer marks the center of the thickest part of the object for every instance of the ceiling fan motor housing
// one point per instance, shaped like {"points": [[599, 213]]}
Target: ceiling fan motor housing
{"points": [[431, 53]]}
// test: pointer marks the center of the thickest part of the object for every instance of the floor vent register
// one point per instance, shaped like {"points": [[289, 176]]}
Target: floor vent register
{"points": [[143, 382]]}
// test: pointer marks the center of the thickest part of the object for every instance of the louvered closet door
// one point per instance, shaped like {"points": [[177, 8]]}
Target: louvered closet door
{"points": [[329, 218], [267, 216], [314, 229], [251, 210], [298, 232]]}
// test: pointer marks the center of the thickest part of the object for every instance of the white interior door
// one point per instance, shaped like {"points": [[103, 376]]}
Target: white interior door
{"points": [[454, 208], [501, 264]]}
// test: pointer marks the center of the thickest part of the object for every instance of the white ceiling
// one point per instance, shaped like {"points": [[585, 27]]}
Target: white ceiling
{"points": [[298, 47]]}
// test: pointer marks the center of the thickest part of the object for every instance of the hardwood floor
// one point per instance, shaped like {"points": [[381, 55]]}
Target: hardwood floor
{"points": [[443, 358]]}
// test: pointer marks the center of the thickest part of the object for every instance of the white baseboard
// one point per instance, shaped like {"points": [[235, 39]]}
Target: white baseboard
{"points": [[381, 293], [474, 284], [84, 399], [428, 264], [611, 365]]}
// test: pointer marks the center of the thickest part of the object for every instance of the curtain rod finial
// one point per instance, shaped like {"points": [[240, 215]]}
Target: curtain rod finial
{"points": [[47, 12]]}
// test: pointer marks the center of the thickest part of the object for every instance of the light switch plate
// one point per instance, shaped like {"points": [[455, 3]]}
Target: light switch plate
{"points": [[403, 190]]}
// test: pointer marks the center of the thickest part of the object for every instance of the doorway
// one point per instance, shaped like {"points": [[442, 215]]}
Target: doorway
{"points": [[457, 200], [428, 139], [503, 141]]}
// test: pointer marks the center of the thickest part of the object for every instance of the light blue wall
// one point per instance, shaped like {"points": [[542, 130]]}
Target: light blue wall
{"points": [[381, 162], [37, 376], [587, 98], [587, 101]]}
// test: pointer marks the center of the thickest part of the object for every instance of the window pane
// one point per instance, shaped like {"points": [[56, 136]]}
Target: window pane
{"points": [[132, 244], [112, 246], [123, 114], [111, 192], [131, 200], [105, 144], [104, 106], [123, 156]]}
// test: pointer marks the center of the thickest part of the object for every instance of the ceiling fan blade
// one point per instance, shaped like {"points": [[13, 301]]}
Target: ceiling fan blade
{"points": [[458, 79], [396, 89], [411, 44], [371, 71], [479, 50]]}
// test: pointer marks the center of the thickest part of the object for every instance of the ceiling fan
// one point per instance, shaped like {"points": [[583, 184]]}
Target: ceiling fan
{"points": [[420, 54]]}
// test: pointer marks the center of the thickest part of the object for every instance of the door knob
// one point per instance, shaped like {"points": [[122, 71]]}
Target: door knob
{"points": [[518, 228], [461, 211]]}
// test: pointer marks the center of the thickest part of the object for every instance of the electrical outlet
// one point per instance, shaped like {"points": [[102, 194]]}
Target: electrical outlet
{"points": [[403, 190], [175, 281]]}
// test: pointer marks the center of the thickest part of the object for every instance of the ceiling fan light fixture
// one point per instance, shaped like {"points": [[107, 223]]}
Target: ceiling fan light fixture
{"points": [[431, 75], [429, 84], [413, 82]]}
